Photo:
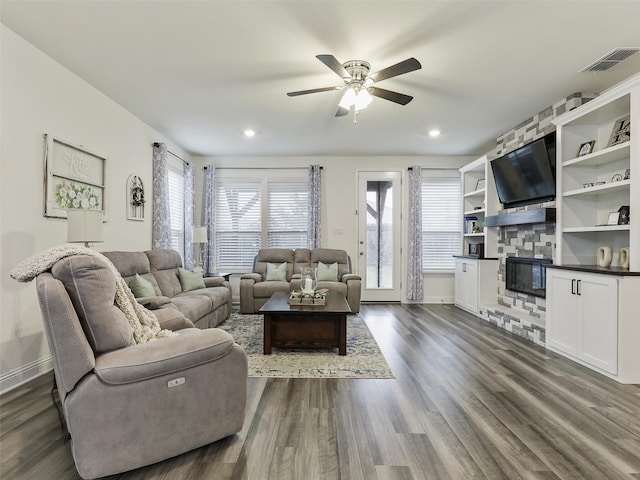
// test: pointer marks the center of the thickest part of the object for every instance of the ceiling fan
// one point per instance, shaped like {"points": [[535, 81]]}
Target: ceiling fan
{"points": [[360, 85]]}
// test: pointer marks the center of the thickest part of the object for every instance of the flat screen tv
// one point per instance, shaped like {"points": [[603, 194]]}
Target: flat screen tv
{"points": [[527, 175]]}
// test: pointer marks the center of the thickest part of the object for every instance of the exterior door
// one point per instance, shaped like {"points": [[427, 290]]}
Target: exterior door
{"points": [[379, 250]]}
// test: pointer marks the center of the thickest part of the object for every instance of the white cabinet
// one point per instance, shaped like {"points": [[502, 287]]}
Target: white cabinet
{"points": [[475, 283], [592, 318], [592, 186], [582, 317]]}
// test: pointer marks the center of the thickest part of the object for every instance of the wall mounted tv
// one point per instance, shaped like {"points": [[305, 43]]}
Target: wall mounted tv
{"points": [[527, 175]]}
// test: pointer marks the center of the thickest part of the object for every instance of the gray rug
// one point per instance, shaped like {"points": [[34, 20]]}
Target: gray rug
{"points": [[363, 359]]}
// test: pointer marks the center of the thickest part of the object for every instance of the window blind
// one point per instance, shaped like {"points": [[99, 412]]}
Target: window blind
{"points": [[287, 213], [441, 222], [238, 223], [176, 207]]}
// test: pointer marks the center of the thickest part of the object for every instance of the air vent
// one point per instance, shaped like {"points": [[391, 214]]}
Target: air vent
{"points": [[610, 60]]}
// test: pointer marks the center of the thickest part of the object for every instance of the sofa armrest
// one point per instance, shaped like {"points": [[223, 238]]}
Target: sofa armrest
{"points": [[153, 303], [350, 276], [215, 282], [191, 347], [256, 277]]}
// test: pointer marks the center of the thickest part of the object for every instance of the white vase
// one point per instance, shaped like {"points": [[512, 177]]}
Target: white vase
{"points": [[623, 257], [605, 255]]}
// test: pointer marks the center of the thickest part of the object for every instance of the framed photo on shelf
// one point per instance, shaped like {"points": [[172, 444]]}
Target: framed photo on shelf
{"points": [[623, 213], [621, 132], [586, 148], [480, 184], [613, 218]]}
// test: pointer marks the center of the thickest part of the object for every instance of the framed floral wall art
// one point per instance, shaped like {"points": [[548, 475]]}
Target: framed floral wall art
{"points": [[74, 178]]}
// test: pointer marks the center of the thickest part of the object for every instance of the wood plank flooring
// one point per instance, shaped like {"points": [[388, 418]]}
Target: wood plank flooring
{"points": [[469, 401]]}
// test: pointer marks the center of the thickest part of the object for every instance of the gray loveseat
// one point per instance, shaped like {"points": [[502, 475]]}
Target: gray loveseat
{"points": [[205, 307], [129, 404], [255, 289]]}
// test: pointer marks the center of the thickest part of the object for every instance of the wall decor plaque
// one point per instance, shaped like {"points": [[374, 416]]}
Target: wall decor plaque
{"points": [[74, 178]]}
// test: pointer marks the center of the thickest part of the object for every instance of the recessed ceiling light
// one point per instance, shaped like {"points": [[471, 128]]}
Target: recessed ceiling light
{"points": [[249, 133], [434, 133]]}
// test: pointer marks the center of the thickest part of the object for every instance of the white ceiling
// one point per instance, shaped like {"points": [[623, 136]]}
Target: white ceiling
{"points": [[200, 72]]}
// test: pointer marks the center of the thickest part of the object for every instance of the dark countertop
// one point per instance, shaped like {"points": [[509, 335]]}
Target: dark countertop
{"points": [[595, 269], [475, 257]]}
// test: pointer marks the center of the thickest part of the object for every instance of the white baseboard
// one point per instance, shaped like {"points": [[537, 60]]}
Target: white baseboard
{"points": [[19, 376]]}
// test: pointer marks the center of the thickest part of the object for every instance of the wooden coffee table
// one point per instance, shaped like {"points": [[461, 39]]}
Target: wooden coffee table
{"points": [[305, 326]]}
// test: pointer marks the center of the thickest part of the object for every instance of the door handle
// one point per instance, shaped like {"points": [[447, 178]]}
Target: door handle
{"points": [[573, 286], [578, 289], [361, 253]]}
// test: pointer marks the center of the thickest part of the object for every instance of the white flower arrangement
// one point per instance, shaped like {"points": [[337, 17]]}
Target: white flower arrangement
{"points": [[75, 196]]}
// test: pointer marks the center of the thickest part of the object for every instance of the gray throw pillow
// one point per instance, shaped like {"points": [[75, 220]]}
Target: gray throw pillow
{"points": [[141, 287], [190, 280], [276, 272], [327, 273]]}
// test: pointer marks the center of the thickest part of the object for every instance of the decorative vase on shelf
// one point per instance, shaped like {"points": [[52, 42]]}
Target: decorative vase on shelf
{"points": [[605, 256], [623, 257], [307, 280]]}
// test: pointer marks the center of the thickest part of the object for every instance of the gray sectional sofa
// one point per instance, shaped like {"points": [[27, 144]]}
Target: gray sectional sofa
{"points": [[204, 307], [256, 288]]}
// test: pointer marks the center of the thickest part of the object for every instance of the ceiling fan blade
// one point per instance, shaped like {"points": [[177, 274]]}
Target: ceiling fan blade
{"points": [[313, 90], [396, 97], [406, 66], [342, 112], [333, 63]]}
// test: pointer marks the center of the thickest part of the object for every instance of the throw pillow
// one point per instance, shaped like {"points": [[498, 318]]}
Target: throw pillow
{"points": [[276, 272], [190, 280], [141, 287], [327, 273]]}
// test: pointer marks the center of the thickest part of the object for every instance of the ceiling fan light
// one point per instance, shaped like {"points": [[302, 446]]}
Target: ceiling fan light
{"points": [[348, 99], [363, 99]]}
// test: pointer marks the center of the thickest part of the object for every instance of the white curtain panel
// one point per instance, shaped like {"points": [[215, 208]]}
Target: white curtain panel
{"points": [[189, 208], [208, 216], [161, 220], [314, 218], [415, 288]]}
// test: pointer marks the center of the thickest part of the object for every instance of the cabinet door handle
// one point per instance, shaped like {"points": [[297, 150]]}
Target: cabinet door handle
{"points": [[573, 286], [578, 289]]}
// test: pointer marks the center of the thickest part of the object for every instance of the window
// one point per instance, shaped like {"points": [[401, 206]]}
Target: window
{"points": [[441, 222], [287, 217], [176, 203], [245, 221]]}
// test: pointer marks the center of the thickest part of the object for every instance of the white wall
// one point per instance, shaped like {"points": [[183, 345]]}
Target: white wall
{"points": [[339, 199], [40, 96]]}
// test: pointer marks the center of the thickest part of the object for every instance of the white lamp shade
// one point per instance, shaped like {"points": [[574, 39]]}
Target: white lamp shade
{"points": [[200, 235], [84, 226]]}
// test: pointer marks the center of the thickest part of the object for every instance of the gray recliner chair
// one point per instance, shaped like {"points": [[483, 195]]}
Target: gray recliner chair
{"points": [[128, 405]]}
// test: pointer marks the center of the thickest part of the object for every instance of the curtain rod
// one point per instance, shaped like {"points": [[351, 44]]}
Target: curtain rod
{"points": [[434, 168], [260, 168], [157, 144]]}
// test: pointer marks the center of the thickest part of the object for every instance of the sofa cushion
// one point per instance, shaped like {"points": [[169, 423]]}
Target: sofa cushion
{"points": [[131, 263], [192, 306], [91, 285], [266, 289], [328, 273], [164, 267], [170, 355], [276, 272], [329, 256], [141, 287], [273, 255], [190, 280]]}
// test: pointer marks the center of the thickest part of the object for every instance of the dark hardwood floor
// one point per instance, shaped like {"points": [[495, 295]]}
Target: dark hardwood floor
{"points": [[469, 401]]}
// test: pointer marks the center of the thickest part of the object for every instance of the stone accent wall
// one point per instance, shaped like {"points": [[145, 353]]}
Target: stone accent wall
{"points": [[520, 313]]}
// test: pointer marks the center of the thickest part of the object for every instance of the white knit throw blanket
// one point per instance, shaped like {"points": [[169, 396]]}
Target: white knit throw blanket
{"points": [[143, 322]]}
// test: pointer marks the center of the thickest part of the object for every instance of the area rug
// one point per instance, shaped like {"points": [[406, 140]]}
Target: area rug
{"points": [[363, 359]]}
